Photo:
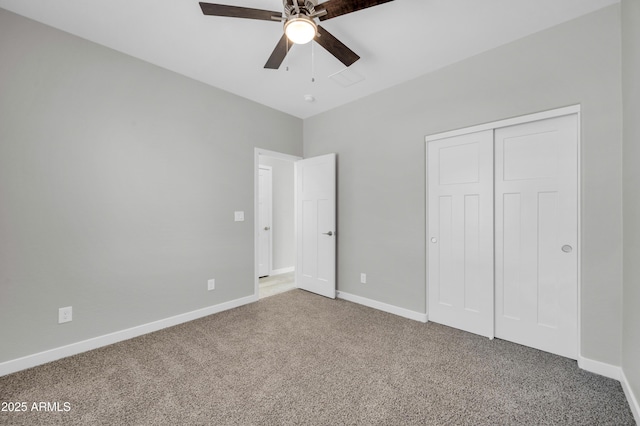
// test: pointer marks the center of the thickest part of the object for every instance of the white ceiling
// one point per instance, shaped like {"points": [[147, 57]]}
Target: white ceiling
{"points": [[396, 41]]}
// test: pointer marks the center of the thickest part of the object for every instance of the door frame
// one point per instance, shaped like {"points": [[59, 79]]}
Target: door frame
{"points": [[553, 113], [257, 152]]}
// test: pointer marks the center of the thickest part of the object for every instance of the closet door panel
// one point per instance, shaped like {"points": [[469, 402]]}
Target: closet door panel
{"points": [[460, 226], [536, 234]]}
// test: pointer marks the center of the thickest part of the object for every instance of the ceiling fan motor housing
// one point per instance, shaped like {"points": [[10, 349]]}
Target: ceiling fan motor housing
{"points": [[292, 8]]}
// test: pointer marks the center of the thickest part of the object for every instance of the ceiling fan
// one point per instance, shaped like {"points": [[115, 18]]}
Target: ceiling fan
{"points": [[300, 26]]}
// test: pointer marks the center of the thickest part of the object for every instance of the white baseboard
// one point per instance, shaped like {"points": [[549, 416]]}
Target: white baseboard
{"points": [[613, 372], [631, 397], [283, 270], [598, 367], [29, 361], [406, 313]]}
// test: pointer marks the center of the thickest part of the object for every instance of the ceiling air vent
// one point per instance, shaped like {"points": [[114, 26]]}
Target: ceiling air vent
{"points": [[346, 77]]}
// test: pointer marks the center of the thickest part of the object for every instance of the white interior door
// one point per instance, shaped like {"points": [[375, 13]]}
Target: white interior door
{"points": [[316, 225], [265, 210], [537, 234], [460, 232]]}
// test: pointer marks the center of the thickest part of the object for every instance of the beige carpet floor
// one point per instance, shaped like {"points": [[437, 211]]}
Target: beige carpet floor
{"points": [[297, 358]]}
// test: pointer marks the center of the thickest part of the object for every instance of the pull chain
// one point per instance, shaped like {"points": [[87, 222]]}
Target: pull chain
{"points": [[287, 52], [313, 67]]}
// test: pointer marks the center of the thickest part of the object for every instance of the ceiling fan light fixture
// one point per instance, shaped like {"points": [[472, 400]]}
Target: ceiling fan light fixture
{"points": [[300, 29]]}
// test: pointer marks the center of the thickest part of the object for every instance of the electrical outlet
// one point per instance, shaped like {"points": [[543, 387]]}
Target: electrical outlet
{"points": [[211, 284], [363, 278], [65, 314], [238, 216]]}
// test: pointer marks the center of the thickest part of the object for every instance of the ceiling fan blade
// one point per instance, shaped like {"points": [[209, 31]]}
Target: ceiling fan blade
{"points": [[239, 12], [335, 47], [278, 54], [342, 7]]}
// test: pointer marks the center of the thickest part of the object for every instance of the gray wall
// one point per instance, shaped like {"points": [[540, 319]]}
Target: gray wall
{"points": [[118, 183], [631, 182], [381, 157], [283, 227]]}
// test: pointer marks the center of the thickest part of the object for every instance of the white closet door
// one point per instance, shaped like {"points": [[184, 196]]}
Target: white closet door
{"points": [[460, 232], [537, 234]]}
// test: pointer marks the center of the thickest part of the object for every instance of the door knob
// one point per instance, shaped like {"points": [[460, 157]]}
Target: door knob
{"points": [[266, 228], [434, 240], [567, 248], [328, 233]]}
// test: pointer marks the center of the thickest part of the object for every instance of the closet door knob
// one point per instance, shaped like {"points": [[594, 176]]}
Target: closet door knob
{"points": [[567, 248], [434, 240]]}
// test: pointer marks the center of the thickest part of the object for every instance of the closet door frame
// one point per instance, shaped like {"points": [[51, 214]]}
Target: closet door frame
{"points": [[559, 112]]}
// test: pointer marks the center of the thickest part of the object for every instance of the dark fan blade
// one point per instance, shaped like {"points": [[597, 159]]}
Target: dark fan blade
{"points": [[335, 47], [342, 7], [239, 12], [278, 54]]}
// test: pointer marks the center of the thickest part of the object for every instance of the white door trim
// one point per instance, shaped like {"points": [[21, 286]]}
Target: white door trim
{"points": [[257, 152], [559, 112]]}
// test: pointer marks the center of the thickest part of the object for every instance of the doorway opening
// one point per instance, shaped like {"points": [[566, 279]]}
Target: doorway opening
{"points": [[275, 240], [276, 284]]}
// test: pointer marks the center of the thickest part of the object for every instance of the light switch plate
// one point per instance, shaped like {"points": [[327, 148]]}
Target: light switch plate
{"points": [[239, 216], [211, 284]]}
